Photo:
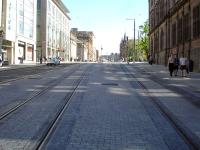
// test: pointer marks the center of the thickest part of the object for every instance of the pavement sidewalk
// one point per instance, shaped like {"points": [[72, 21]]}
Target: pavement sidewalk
{"points": [[15, 66], [180, 97], [192, 82]]}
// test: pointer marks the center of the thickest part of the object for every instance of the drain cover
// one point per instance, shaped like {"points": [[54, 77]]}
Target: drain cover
{"points": [[110, 84]]}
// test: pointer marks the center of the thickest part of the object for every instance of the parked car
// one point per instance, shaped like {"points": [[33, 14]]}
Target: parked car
{"points": [[53, 61]]}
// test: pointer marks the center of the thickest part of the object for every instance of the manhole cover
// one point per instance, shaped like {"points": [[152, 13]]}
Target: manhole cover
{"points": [[110, 84]]}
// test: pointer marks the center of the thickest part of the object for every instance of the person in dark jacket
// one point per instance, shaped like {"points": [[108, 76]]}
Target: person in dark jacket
{"points": [[176, 65], [171, 64]]}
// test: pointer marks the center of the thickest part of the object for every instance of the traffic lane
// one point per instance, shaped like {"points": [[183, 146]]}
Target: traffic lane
{"points": [[113, 114], [25, 127], [18, 72]]}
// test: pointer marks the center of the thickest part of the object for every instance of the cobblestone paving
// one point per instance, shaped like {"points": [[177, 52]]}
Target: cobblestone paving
{"points": [[111, 118]]}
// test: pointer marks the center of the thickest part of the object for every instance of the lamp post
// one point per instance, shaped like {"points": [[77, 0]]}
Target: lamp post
{"points": [[133, 35], [139, 53], [101, 50], [101, 53]]}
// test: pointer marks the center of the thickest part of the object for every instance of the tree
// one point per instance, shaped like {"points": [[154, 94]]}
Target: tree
{"points": [[141, 44], [144, 40], [130, 50]]}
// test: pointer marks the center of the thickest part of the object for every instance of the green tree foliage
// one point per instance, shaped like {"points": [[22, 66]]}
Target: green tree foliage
{"points": [[141, 44], [144, 39], [130, 50]]}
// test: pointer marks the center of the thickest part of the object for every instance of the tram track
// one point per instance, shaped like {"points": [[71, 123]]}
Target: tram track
{"points": [[190, 139], [76, 76], [14, 74], [27, 98], [52, 126]]}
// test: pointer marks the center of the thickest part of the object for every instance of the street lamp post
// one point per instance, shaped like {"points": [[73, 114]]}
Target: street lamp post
{"points": [[139, 53], [101, 50], [101, 53], [133, 36]]}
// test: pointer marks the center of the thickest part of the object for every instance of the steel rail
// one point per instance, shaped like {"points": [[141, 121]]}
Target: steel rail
{"points": [[189, 138], [49, 85], [44, 139]]}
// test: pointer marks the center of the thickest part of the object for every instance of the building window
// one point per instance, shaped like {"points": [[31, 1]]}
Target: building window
{"points": [[186, 28], [152, 20], [162, 9], [157, 15], [151, 45], [196, 21], [162, 39], [157, 42], [38, 5], [180, 30], [21, 27], [173, 34], [151, 2]]}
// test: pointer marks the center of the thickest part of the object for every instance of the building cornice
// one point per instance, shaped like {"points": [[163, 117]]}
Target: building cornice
{"points": [[62, 7]]}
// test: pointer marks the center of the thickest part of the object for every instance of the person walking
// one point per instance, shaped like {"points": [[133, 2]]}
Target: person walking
{"points": [[1, 61], [150, 59], [183, 65], [171, 64], [176, 65]]}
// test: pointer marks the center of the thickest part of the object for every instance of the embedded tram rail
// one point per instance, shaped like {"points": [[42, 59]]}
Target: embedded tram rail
{"points": [[79, 108], [52, 126], [190, 139], [75, 76], [27, 98], [16, 73]]}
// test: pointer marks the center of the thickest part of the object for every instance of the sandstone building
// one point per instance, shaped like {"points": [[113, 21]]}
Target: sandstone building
{"points": [[175, 28], [86, 39]]}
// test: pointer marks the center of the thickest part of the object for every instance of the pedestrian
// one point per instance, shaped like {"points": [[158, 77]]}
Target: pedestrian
{"points": [[45, 59], [187, 67], [1, 62], [183, 65], [171, 64], [176, 65], [150, 59], [40, 60]]}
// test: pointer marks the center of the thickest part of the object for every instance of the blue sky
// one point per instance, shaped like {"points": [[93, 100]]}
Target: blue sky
{"points": [[107, 19]]}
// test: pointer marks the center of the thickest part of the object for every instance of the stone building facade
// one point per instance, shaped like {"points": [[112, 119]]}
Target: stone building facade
{"points": [[53, 31], [86, 38], [124, 48], [73, 47], [175, 28], [17, 31]]}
